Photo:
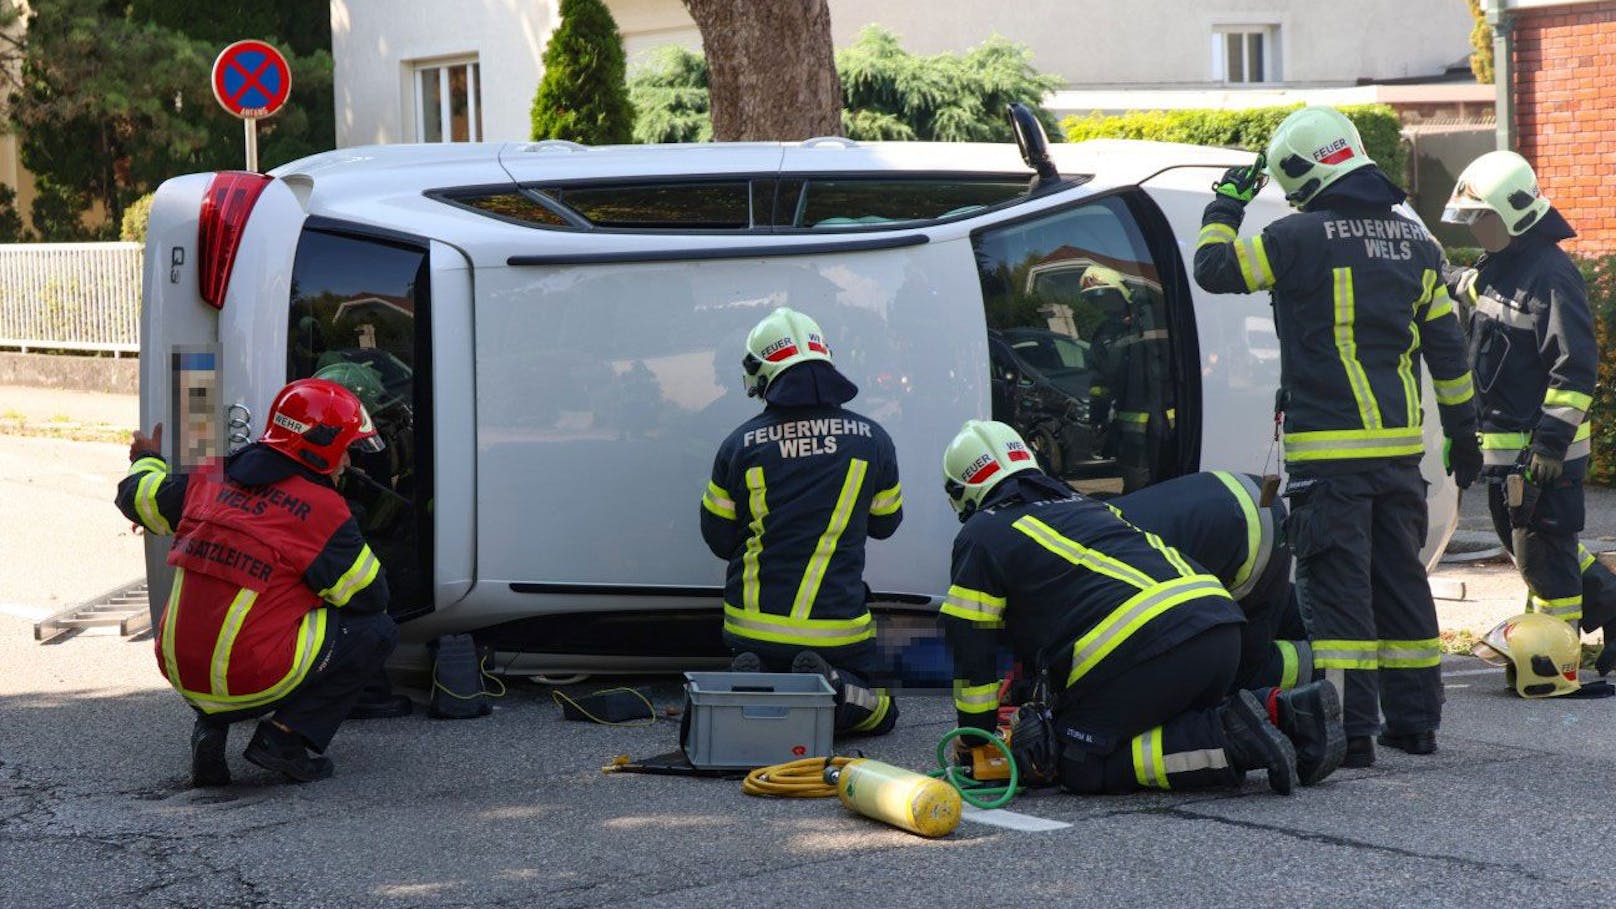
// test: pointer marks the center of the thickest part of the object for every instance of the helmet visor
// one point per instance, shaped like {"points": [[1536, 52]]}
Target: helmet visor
{"points": [[1487, 654], [369, 444], [1454, 214]]}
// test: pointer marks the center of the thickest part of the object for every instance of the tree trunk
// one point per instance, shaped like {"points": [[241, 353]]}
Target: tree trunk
{"points": [[771, 69]]}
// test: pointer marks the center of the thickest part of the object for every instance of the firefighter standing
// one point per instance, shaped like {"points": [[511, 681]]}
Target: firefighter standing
{"points": [[793, 495], [1357, 292], [277, 604], [1140, 644], [1535, 361], [1218, 520], [1131, 357]]}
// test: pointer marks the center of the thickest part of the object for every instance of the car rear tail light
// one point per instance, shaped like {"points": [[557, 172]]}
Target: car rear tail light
{"points": [[229, 200]]}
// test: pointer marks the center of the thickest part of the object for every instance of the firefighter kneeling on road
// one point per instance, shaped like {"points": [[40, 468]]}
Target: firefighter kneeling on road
{"points": [[1140, 644], [277, 603], [1535, 361], [793, 495]]}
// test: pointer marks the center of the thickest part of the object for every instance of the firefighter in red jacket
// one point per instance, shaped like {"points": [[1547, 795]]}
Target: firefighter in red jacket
{"points": [[278, 606]]}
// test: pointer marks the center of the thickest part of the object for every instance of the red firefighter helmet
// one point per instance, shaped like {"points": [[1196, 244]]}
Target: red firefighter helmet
{"points": [[313, 421]]}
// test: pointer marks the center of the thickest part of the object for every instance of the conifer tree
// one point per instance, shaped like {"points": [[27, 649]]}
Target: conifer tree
{"points": [[583, 96]]}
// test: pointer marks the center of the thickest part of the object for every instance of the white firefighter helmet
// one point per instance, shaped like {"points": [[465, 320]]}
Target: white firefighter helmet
{"points": [[1539, 653], [783, 339], [1500, 182], [980, 457], [1313, 148]]}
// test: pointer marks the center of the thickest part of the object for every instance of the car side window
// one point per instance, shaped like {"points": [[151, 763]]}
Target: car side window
{"points": [[1075, 297]]}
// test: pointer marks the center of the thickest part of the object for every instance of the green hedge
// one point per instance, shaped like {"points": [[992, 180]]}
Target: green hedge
{"points": [[1249, 129]]}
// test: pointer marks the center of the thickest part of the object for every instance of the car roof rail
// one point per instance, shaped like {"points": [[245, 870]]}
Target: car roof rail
{"points": [[551, 145], [820, 141]]}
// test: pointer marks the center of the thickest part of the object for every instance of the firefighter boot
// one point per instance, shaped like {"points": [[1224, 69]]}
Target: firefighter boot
{"points": [[1360, 752], [208, 765], [807, 661], [746, 661], [1310, 716], [1253, 743], [1607, 657], [1411, 742], [273, 748]]}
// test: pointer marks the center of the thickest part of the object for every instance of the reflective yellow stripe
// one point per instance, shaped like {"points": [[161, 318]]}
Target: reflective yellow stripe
{"points": [[1078, 555], [1342, 444], [1515, 441], [1560, 397], [364, 569], [1128, 416], [716, 500], [219, 675], [1346, 346], [975, 698], [1405, 373], [1454, 391], [883, 704], [758, 503], [1564, 608], [147, 463], [1585, 559], [1216, 233], [310, 636], [171, 618], [1147, 604], [1289, 665], [973, 605], [814, 574], [1346, 654], [1259, 254], [146, 503], [1441, 304], [783, 629], [887, 501], [1170, 554], [1149, 766], [1259, 532], [1421, 654]]}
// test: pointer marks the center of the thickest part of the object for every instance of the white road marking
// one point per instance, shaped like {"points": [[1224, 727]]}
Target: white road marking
{"points": [[1013, 820]]}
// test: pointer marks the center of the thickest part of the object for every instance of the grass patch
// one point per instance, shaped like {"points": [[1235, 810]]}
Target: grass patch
{"points": [[17, 425]]}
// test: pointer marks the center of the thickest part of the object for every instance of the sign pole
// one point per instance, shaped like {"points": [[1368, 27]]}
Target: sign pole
{"points": [[250, 133]]}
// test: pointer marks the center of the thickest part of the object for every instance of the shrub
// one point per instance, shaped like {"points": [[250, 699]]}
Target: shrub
{"points": [[1600, 273], [135, 218], [583, 96], [1250, 129]]}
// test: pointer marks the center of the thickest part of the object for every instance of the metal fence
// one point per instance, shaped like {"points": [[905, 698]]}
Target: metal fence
{"points": [[70, 296]]}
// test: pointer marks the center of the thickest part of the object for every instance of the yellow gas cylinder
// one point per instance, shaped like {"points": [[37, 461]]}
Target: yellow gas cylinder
{"points": [[902, 798]]}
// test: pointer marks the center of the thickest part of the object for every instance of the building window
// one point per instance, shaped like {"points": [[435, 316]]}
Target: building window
{"points": [[448, 102], [1244, 53]]}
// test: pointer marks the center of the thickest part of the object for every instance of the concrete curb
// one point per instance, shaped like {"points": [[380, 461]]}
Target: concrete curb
{"points": [[120, 375]]}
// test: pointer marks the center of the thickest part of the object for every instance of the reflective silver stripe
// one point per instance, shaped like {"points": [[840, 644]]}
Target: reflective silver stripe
{"points": [[860, 697], [1130, 616], [1255, 562], [975, 698], [1148, 769], [1570, 415], [1494, 308], [1390, 440], [1500, 457], [1579, 450], [766, 623], [1191, 761], [1154, 334]]}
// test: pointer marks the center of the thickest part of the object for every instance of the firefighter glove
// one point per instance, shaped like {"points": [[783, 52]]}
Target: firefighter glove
{"points": [[1462, 458], [1242, 183], [1544, 470], [1461, 283]]}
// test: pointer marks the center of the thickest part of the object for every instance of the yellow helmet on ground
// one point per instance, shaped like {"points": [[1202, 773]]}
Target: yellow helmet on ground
{"points": [[1540, 654], [783, 339], [1500, 182], [980, 457], [1313, 148]]}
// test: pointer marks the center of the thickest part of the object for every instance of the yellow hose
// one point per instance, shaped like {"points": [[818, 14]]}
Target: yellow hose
{"points": [[804, 779]]}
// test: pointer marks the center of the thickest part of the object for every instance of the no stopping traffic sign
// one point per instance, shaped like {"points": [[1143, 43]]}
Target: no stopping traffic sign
{"points": [[251, 79]]}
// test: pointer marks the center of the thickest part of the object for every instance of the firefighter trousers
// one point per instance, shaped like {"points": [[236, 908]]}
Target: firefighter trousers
{"points": [[861, 708], [357, 646], [1154, 725], [1364, 595], [1557, 569], [1273, 649]]}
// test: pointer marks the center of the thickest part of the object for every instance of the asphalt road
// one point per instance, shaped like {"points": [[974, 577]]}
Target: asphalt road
{"points": [[95, 808]]}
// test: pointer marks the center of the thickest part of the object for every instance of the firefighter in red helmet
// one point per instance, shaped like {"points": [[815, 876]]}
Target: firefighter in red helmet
{"points": [[278, 606]]}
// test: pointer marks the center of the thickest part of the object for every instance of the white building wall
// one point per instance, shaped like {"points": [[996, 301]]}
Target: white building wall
{"points": [[376, 44], [1092, 44]]}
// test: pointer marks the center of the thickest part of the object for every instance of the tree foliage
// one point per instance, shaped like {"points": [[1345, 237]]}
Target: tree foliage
{"points": [[1481, 43], [111, 98], [888, 93], [583, 96], [1250, 128]]}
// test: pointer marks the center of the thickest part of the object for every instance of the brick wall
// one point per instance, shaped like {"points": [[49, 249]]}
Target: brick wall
{"points": [[1564, 64]]}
